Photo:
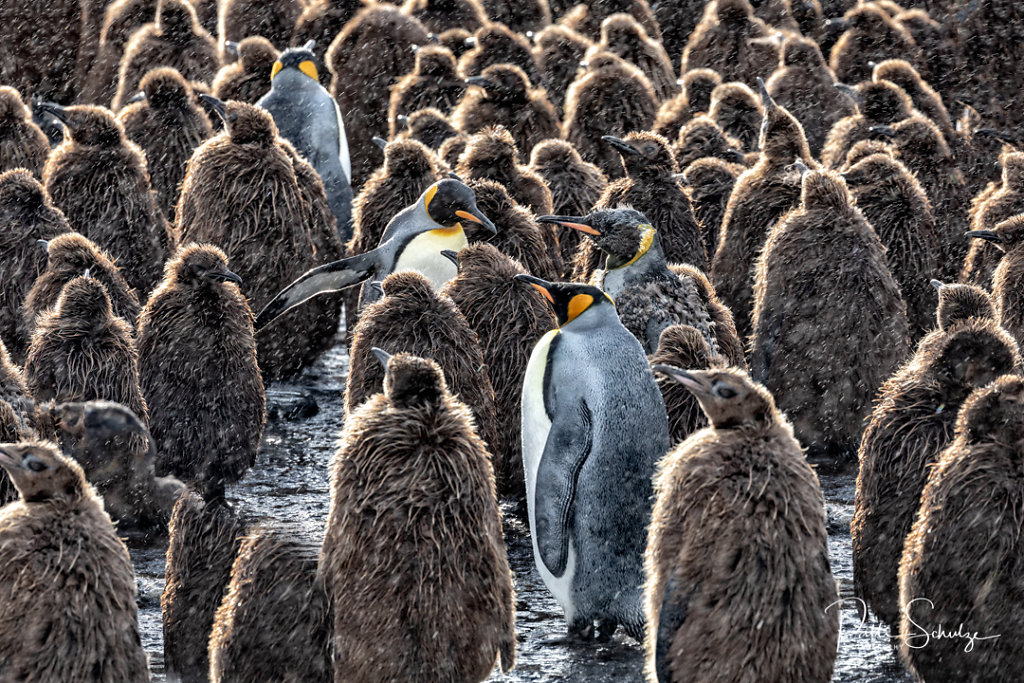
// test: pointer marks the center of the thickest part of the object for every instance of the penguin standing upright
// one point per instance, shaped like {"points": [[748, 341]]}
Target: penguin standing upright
{"points": [[593, 428], [306, 114]]}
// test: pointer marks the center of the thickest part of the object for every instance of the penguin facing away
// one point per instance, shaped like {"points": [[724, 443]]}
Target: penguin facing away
{"points": [[593, 427]]}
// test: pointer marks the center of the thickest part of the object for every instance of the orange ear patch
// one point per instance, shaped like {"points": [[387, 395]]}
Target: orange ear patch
{"points": [[309, 68], [273, 71], [578, 304]]}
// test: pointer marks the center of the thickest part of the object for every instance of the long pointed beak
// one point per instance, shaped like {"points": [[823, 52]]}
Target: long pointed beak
{"points": [[55, 109], [542, 286], [381, 355], [883, 131], [986, 235], [837, 23], [231, 47], [225, 276], [681, 179], [620, 144], [377, 287], [574, 222], [692, 383], [474, 215], [9, 458], [216, 105], [766, 99], [937, 284], [137, 97], [801, 167], [452, 256], [380, 142], [481, 82], [847, 90]]}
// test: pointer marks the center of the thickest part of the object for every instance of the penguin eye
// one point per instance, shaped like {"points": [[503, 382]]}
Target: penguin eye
{"points": [[722, 391], [35, 464]]}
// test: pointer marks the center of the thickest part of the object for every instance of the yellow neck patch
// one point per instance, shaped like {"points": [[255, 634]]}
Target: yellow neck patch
{"points": [[646, 240], [275, 69], [309, 68], [445, 232], [577, 305], [431, 191]]}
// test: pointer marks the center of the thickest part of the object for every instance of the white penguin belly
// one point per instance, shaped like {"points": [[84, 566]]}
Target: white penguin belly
{"points": [[535, 429], [423, 254]]}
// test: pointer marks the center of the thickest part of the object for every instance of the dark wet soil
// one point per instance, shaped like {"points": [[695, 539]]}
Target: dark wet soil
{"points": [[289, 486]]}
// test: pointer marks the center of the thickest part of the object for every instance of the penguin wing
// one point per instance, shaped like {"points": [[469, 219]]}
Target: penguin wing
{"points": [[569, 444], [670, 619], [326, 278]]}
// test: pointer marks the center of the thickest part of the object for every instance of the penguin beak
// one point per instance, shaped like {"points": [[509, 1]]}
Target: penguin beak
{"points": [[837, 24], [847, 90], [938, 284], [621, 145], [452, 256], [542, 286], [137, 97], [801, 167], [766, 99], [45, 244], [694, 383], [381, 355], [986, 235], [231, 47], [55, 110], [574, 222], [481, 82], [380, 142], [377, 287], [735, 156], [474, 216], [224, 276], [882, 131], [216, 105], [681, 179]]}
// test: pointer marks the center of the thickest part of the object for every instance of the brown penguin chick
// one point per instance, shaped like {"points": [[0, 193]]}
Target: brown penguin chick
{"points": [[623, 35], [778, 14], [558, 52], [433, 83], [612, 97], [803, 84], [495, 43], [12, 427], [412, 318], [411, 452], [896, 206], [732, 41], [677, 21], [739, 520], [961, 562], [69, 256], [693, 99], [936, 40], [682, 346], [80, 604], [575, 187], [428, 126], [81, 352], [274, 620], [248, 79], [275, 21], [519, 237], [98, 178], [762, 195], [204, 539], [730, 347], [22, 143], [988, 34], [167, 125], [503, 96], [828, 325], [362, 78], [871, 36], [995, 205], [959, 302], [176, 40], [198, 318], [1008, 280], [13, 389], [491, 154], [241, 194], [880, 103], [650, 188], [451, 149], [103, 437], [702, 137], [508, 319], [40, 48], [457, 40], [322, 20], [521, 17], [912, 422], [120, 21], [587, 20], [440, 15], [27, 215], [736, 110], [902, 74], [708, 182]]}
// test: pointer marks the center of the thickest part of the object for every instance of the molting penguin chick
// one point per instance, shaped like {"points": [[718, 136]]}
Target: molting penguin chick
{"points": [[429, 474], [121, 20], [733, 42], [762, 195], [588, 19], [167, 125], [879, 103], [492, 155], [558, 51], [98, 178], [959, 563], [521, 237], [708, 182], [433, 83], [27, 215], [996, 204], [693, 99], [1008, 279], [508, 320], [734, 107], [703, 137], [495, 43], [593, 427], [901, 73], [427, 126], [739, 524], [913, 421], [829, 325], [245, 80], [275, 21], [80, 605], [682, 346], [871, 36], [503, 96], [958, 302], [307, 116], [22, 143], [197, 366], [624, 36]]}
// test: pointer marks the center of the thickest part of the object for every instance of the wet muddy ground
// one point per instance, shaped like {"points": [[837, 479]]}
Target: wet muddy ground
{"points": [[289, 486]]}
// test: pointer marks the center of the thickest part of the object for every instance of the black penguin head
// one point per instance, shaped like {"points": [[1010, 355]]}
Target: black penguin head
{"points": [[300, 59], [1006, 236], [88, 126], [728, 396], [201, 265], [85, 302], [995, 414], [503, 82], [698, 84], [644, 154], [411, 381], [623, 234], [165, 89], [958, 302], [568, 300], [448, 202], [41, 473]]}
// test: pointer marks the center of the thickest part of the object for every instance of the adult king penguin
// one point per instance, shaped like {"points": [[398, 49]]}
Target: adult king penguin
{"points": [[413, 240], [306, 114], [593, 428]]}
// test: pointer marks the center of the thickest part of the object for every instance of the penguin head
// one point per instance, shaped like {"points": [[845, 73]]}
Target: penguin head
{"points": [[800, 51], [436, 61], [88, 126], [995, 414], [623, 234], [868, 19], [408, 158], [959, 302], [165, 88], [709, 177], [21, 197], [621, 33], [503, 82], [555, 155], [71, 254], [573, 303], [93, 424], [1013, 168], [702, 137], [430, 126], [684, 346], [865, 149], [491, 152], [84, 301], [12, 108], [728, 396], [919, 144], [201, 265], [823, 190], [449, 202], [898, 72], [782, 137], [883, 102], [1005, 236], [297, 59], [41, 473], [177, 20], [644, 154], [973, 353], [257, 55], [411, 381], [734, 101], [698, 84], [734, 12], [246, 124]]}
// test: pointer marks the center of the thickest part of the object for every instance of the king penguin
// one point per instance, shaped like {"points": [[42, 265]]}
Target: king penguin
{"points": [[593, 428], [413, 240], [306, 114]]}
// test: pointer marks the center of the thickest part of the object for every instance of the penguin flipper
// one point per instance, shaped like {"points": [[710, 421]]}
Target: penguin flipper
{"points": [[670, 619], [330, 277], [568, 445]]}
